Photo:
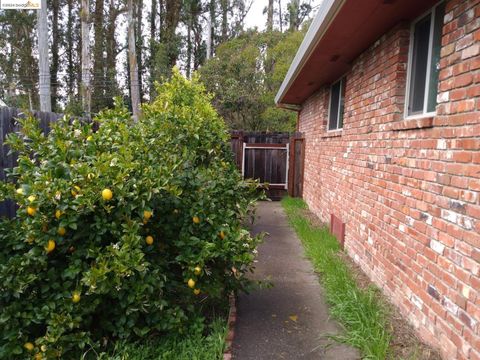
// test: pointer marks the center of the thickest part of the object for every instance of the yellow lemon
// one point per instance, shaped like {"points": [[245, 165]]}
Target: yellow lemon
{"points": [[191, 283], [50, 246], [147, 214], [31, 198], [196, 291], [149, 240], [107, 194], [19, 191], [89, 138], [197, 270], [75, 297], [38, 356], [90, 176], [77, 188], [58, 213], [43, 348], [221, 235], [28, 346], [196, 219], [74, 193], [31, 210], [61, 231]]}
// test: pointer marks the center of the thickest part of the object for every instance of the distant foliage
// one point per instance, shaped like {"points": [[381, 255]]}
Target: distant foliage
{"points": [[123, 233], [246, 74]]}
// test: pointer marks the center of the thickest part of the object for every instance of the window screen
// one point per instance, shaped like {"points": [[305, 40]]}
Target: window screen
{"points": [[337, 105], [424, 59]]}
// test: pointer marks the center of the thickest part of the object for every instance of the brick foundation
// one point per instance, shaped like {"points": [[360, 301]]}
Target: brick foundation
{"points": [[408, 190]]}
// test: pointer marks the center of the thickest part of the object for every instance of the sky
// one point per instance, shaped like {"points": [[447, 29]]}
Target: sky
{"points": [[255, 16]]}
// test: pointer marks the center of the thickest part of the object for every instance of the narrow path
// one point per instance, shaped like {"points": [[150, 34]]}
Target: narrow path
{"points": [[289, 320]]}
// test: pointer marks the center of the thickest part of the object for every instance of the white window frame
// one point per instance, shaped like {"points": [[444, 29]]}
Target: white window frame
{"points": [[424, 113], [342, 84]]}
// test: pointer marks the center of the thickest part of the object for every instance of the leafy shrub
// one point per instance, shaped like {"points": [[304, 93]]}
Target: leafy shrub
{"points": [[124, 232]]}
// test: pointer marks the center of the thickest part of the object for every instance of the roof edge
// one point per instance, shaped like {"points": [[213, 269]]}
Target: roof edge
{"points": [[326, 13]]}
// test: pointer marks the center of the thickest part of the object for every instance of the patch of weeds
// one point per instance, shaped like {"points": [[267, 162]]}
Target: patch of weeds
{"points": [[194, 345]]}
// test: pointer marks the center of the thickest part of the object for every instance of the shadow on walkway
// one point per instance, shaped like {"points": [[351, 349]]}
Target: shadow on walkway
{"points": [[289, 320]]}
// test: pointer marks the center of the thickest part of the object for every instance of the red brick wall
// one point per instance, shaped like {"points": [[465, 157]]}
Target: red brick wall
{"points": [[409, 191]]}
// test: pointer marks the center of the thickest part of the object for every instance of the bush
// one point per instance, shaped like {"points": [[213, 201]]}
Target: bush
{"points": [[121, 233]]}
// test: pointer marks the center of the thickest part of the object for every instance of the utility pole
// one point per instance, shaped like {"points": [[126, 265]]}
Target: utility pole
{"points": [[132, 61], [86, 86], [43, 64]]}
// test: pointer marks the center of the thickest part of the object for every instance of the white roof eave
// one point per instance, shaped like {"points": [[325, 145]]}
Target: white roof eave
{"points": [[326, 13]]}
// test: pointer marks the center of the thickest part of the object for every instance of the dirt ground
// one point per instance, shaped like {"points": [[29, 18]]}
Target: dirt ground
{"points": [[405, 344]]}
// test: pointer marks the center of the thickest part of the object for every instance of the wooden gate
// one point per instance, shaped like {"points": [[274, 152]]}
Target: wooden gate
{"points": [[275, 159], [268, 163]]}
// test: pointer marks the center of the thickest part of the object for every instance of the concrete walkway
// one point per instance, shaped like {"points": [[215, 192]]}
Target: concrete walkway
{"points": [[289, 320]]}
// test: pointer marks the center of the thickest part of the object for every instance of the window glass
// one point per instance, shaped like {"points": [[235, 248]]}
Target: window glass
{"points": [[342, 103], [419, 65], [434, 65], [334, 104], [424, 62]]}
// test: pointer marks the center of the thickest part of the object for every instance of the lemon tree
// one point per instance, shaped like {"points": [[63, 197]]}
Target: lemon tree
{"points": [[122, 232]]}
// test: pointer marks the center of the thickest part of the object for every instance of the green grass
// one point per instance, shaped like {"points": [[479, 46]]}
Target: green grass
{"points": [[360, 311], [196, 346]]}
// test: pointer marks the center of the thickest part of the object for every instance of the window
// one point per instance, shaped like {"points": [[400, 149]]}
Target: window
{"points": [[424, 58], [337, 105]]}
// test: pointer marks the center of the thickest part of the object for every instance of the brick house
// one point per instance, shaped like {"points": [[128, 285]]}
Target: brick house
{"points": [[388, 99]]}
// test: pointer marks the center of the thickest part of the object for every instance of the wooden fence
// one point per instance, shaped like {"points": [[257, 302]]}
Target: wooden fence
{"points": [[273, 158], [8, 124]]}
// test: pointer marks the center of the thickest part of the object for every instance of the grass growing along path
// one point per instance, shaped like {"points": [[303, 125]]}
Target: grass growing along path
{"points": [[191, 346], [364, 317]]}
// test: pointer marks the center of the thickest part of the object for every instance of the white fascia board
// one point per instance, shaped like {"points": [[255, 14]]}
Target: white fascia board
{"points": [[326, 13]]}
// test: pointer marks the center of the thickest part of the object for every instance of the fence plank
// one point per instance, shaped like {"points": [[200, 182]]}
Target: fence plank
{"points": [[298, 167]]}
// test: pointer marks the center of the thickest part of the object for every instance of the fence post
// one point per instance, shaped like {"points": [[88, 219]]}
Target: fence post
{"points": [[291, 168]]}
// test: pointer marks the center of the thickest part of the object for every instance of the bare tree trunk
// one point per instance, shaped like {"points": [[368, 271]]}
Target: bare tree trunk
{"points": [[86, 86], [293, 15], [198, 54], [153, 33], [224, 4], [99, 87], [211, 20], [280, 14], [209, 38], [172, 17], [161, 13], [69, 49], [43, 65], [270, 15], [55, 56], [111, 88], [138, 11], [132, 60], [189, 43]]}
